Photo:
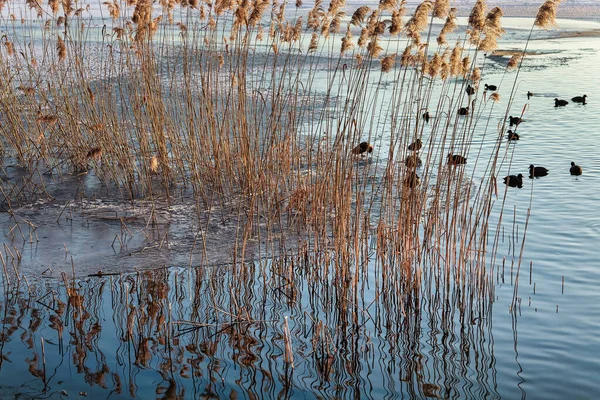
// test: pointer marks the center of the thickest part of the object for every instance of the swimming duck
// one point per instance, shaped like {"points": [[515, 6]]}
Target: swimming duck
{"points": [[514, 180], [362, 148], [413, 161], [470, 90], [560, 103], [529, 95], [412, 180], [493, 88], [512, 135], [426, 116], [575, 169], [463, 111], [456, 159], [579, 99], [537, 171], [415, 146], [514, 120]]}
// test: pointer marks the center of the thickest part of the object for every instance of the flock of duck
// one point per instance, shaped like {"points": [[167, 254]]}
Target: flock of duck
{"points": [[413, 161], [537, 171]]}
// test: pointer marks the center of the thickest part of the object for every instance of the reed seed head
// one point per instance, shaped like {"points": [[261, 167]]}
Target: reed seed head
{"points": [[514, 61], [359, 15], [387, 62], [546, 16]]}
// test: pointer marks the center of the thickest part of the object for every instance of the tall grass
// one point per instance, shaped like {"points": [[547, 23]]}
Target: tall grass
{"points": [[256, 107]]}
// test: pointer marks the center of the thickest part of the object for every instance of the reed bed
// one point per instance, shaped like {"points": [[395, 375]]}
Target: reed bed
{"points": [[256, 108]]}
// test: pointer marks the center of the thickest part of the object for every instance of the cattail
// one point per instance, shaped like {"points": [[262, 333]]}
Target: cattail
{"points": [[359, 15], [260, 32], [441, 8], [221, 60], [347, 41], [61, 48], [47, 25], [91, 94], [60, 21], [10, 48], [387, 62], [202, 14], [546, 16], [495, 97], [67, 6], [514, 61], [298, 3], [314, 42]]}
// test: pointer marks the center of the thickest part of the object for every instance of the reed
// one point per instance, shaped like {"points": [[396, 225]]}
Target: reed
{"points": [[257, 109]]}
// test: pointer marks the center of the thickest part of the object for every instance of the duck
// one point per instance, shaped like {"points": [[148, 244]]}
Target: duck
{"points": [[456, 159], [412, 180], [512, 135], [413, 161], [579, 99], [514, 180], [426, 116], [470, 90], [415, 146], [363, 147], [575, 169], [560, 103], [493, 88], [514, 120], [463, 111], [537, 171], [529, 95]]}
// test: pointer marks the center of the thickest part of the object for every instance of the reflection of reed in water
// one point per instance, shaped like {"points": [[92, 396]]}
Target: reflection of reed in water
{"points": [[219, 330]]}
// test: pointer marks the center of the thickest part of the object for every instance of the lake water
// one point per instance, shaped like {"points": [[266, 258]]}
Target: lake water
{"points": [[107, 339]]}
